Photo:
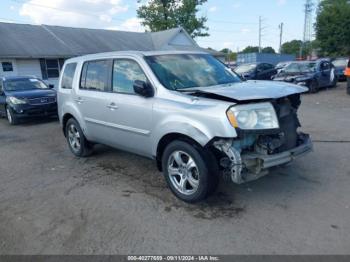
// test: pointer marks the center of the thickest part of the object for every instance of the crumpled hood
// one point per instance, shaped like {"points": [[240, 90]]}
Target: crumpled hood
{"points": [[255, 90]]}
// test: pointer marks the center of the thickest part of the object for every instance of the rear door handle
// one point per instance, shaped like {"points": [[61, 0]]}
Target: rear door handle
{"points": [[112, 106], [79, 100]]}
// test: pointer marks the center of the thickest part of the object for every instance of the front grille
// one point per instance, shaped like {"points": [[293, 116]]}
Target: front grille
{"points": [[42, 100]]}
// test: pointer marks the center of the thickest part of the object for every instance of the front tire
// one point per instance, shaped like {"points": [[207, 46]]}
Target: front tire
{"points": [[313, 87], [77, 142], [189, 171], [11, 117]]}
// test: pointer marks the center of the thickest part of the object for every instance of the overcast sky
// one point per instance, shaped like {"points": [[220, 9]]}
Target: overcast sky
{"points": [[232, 23]]}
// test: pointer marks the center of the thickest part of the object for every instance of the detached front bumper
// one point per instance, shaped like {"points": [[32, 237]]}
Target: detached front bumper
{"points": [[247, 167], [263, 162]]}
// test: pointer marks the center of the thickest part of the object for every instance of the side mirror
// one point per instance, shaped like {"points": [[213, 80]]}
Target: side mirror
{"points": [[51, 86], [143, 89]]}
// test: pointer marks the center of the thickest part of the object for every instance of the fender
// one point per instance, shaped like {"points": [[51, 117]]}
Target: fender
{"points": [[188, 127]]}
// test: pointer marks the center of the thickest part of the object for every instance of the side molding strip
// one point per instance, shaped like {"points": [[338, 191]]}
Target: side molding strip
{"points": [[120, 127]]}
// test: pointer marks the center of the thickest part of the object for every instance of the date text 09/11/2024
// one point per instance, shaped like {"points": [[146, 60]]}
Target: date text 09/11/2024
{"points": [[173, 258]]}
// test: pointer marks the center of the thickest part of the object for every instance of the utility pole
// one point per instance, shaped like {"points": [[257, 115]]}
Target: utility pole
{"points": [[260, 29], [281, 35]]}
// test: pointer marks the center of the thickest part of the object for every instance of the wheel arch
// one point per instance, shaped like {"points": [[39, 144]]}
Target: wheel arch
{"points": [[65, 119], [167, 139]]}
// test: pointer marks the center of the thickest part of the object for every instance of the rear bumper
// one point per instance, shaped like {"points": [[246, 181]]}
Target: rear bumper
{"points": [[27, 111]]}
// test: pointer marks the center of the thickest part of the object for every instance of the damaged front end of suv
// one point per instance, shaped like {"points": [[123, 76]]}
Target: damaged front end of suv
{"points": [[267, 134]]}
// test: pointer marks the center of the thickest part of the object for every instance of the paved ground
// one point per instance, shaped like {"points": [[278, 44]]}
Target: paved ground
{"points": [[114, 202]]}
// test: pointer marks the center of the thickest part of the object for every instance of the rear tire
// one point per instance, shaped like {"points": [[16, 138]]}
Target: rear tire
{"points": [[11, 117], [77, 142], [190, 171]]}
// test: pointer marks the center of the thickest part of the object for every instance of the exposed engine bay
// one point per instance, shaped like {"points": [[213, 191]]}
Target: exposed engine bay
{"points": [[253, 152]]}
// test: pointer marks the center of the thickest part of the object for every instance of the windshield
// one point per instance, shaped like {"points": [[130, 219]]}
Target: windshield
{"points": [[300, 67], [181, 71], [340, 62], [245, 68], [23, 84]]}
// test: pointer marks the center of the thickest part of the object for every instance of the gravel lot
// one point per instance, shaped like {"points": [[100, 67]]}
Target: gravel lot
{"points": [[115, 202]]}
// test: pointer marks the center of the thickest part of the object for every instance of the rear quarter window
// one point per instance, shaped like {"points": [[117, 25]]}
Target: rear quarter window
{"points": [[68, 76], [95, 75]]}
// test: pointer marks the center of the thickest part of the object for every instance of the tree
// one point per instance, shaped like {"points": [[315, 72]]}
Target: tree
{"points": [[255, 49], [232, 56], [157, 15], [250, 49], [268, 50], [292, 47], [332, 27]]}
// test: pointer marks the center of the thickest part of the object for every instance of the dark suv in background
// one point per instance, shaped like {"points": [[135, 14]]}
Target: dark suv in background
{"points": [[256, 71], [23, 97]]}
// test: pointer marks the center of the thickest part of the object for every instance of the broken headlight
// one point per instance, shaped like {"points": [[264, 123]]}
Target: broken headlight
{"points": [[253, 116]]}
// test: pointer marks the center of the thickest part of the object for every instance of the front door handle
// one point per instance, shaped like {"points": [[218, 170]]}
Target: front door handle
{"points": [[79, 100], [112, 106]]}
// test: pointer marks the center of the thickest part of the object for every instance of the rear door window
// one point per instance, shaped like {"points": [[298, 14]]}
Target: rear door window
{"points": [[68, 75], [95, 75]]}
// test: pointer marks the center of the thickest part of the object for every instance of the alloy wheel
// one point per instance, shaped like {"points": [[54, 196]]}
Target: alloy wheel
{"points": [[183, 172], [74, 138]]}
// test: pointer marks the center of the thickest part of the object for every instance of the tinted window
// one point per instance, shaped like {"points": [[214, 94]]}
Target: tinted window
{"points": [[94, 75], [68, 74], [125, 72], [7, 67], [261, 67], [268, 66]]}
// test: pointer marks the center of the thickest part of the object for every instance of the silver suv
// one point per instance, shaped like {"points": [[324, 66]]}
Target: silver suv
{"points": [[186, 110]]}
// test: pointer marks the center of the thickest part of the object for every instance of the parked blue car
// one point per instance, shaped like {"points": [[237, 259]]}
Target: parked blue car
{"points": [[23, 97], [312, 74]]}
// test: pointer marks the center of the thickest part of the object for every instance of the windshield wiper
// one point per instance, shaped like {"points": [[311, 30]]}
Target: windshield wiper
{"points": [[187, 90]]}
